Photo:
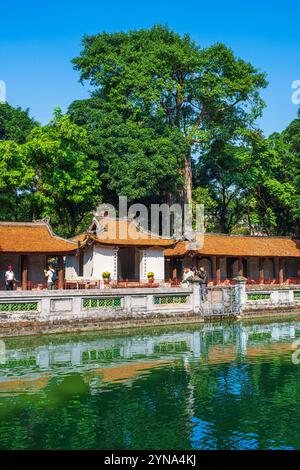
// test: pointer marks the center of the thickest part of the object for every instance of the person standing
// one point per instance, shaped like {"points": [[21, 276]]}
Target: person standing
{"points": [[203, 283], [9, 278], [187, 276], [49, 274]]}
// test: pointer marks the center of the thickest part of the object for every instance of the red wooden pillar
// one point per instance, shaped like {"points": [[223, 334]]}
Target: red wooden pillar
{"points": [[261, 271], [241, 269], [24, 272], [213, 268], [60, 276], [281, 270], [227, 265], [218, 270], [276, 268]]}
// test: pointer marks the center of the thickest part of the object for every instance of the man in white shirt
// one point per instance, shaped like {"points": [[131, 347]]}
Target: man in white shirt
{"points": [[49, 276], [187, 276], [9, 278]]}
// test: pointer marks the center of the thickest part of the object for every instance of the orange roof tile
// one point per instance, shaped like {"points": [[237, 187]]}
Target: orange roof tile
{"points": [[239, 245], [79, 238], [123, 232], [32, 237]]}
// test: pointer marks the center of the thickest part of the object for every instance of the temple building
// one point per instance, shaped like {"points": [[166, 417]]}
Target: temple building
{"points": [[29, 247], [261, 259], [129, 253], [120, 247]]}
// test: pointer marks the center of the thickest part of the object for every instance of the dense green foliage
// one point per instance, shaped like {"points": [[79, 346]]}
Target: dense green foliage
{"points": [[135, 160], [15, 124], [161, 80], [164, 115], [49, 176], [15, 180], [252, 188]]}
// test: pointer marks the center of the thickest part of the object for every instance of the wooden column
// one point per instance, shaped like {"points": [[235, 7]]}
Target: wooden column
{"points": [[24, 272], [261, 271], [60, 274], [218, 270], [281, 270], [174, 272], [276, 268], [246, 267], [213, 268], [241, 267], [228, 267]]}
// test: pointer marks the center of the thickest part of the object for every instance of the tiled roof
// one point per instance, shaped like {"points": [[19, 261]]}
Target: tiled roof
{"points": [[123, 232], [81, 238], [32, 237], [239, 245]]}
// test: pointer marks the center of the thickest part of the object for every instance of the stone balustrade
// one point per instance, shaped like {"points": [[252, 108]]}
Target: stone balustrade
{"points": [[27, 312], [104, 304]]}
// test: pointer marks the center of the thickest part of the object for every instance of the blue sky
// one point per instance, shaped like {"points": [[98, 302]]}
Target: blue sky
{"points": [[38, 40]]}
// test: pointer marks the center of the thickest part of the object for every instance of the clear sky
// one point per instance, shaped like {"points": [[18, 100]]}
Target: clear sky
{"points": [[38, 40]]}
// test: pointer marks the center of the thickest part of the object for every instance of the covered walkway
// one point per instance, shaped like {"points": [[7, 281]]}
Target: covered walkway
{"points": [[261, 259], [29, 247]]}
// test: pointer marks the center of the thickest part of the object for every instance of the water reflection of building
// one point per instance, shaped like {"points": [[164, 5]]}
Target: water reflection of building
{"points": [[104, 350], [211, 343]]}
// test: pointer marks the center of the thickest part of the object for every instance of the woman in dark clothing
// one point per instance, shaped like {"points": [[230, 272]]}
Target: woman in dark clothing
{"points": [[203, 283]]}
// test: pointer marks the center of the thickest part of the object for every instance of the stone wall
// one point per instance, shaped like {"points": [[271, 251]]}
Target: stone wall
{"points": [[29, 312], [34, 308], [262, 299]]}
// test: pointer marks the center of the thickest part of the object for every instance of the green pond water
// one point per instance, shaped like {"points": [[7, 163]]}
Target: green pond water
{"points": [[215, 386]]}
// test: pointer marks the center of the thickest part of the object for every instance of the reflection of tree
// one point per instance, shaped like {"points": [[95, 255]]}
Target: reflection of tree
{"points": [[150, 414], [220, 400], [248, 405]]}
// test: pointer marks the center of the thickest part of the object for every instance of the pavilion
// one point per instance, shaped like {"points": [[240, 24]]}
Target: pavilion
{"points": [[261, 259], [29, 247], [122, 248]]}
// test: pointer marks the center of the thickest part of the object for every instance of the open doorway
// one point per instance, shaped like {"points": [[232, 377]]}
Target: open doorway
{"points": [[128, 264]]}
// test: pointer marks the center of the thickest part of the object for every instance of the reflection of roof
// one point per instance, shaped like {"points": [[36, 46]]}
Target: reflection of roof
{"points": [[32, 237], [122, 232], [219, 354], [240, 245], [26, 384], [125, 372]]}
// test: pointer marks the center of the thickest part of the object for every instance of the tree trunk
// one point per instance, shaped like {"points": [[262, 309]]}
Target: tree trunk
{"points": [[187, 181]]}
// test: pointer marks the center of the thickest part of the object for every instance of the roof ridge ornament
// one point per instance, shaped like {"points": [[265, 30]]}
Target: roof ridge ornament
{"points": [[44, 219]]}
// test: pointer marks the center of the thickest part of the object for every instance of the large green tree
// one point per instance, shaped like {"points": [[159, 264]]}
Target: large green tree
{"points": [[15, 123], [50, 175], [252, 188], [271, 190], [157, 77], [222, 177], [65, 186], [291, 137], [15, 180], [15, 174], [135, 159]]}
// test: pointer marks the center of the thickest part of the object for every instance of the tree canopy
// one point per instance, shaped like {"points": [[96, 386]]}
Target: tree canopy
{"points": [[157, 77], [50, 176], [166, 120], [251, 188], [134, 159], [15, 123]]}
